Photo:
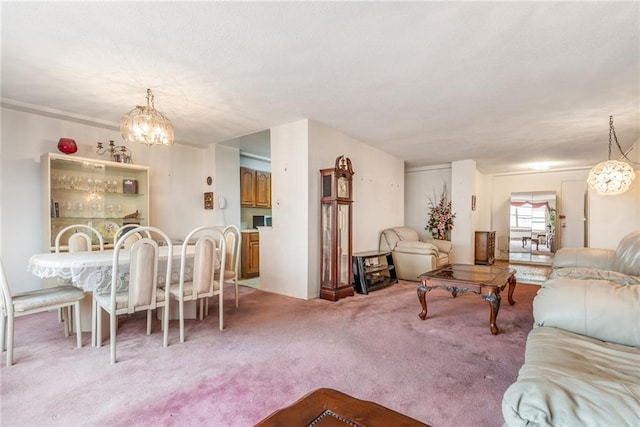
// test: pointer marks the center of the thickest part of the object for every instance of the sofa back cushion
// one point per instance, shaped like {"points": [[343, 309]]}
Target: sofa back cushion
{"points": [[390, 237], [407, 233], [595, 308], [628, 254]]}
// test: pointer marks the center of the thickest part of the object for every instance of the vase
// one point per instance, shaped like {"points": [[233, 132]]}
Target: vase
{"points": [[67, 146]]}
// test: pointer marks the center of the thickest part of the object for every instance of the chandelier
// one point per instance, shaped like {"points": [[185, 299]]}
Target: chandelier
{"points": [[613, 176], [146, 125]]}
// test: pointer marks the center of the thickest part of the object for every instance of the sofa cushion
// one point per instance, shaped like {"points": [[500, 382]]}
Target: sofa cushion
{"points": [[572, 380], [407, 233], [595, 308], [595, 273], [628, 254]]}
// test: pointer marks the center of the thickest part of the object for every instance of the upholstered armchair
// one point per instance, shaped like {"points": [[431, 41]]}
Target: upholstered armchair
{"points": [[412, 256]]}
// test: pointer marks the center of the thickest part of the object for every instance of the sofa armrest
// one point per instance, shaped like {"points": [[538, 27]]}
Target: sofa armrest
{"points": [[442, 245], [603, 259], [596, 308]]}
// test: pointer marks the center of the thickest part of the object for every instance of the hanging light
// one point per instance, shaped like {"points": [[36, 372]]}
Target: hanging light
{"points": [[613, 176], [146, 125]]}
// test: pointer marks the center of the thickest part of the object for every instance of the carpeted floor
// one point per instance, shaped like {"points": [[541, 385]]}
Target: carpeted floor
{"points": [[446, 371]]}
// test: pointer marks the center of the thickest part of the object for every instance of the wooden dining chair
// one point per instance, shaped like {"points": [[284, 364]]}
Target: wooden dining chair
{"points": [[209, 242], [23, 304], [140, 292]]}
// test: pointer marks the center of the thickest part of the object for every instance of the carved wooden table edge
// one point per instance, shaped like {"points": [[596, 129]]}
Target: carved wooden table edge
{"points": [[456, 286], [329, 407]]}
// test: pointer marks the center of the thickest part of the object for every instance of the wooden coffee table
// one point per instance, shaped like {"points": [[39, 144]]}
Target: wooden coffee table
{"points": [[331, 408], [484, 280]]}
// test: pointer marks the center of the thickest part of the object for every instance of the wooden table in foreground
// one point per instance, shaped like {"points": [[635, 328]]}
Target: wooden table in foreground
{"points": [[486, 281], [325, 407]]}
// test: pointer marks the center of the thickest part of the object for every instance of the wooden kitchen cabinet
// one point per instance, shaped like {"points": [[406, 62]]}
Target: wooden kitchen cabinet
{"points": [[247, 187], [255, 188], [250, 261], [263, 190]]}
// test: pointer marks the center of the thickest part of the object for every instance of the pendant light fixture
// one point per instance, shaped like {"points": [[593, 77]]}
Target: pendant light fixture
{"points": [[613, 176], [146, 125]]}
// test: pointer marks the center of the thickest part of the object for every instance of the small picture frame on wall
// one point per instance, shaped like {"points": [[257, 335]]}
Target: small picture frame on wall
{"points": [[208, 200], [473, 202]]}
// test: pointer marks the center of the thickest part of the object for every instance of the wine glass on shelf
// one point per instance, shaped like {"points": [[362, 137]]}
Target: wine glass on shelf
{"points": [[79, 207]]}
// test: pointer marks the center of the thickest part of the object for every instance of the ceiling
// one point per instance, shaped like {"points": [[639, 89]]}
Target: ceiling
{"points": [[503, 83]]}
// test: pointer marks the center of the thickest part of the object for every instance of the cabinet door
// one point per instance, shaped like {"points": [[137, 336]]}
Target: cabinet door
{"points": [[250, 262], [247, 187], [263, 189]]}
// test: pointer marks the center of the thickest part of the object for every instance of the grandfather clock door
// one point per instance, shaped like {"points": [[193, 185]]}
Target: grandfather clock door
{"points": [[335, 225]]}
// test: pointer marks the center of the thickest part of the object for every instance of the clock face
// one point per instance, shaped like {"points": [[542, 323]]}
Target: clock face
{"points": [[343, 187]]}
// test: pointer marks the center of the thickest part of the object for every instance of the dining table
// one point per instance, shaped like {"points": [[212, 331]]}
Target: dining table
{"points": [[92, 271]]}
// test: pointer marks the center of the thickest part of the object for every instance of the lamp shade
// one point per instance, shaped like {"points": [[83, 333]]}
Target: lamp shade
{"points": [[611, 177]]}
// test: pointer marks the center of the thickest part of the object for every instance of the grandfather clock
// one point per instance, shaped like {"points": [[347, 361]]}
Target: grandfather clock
{"points": [[335, 230]]}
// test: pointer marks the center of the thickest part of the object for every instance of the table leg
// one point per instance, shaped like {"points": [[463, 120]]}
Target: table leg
{"points": [[494, 303], [422, 291], [512, 287]]}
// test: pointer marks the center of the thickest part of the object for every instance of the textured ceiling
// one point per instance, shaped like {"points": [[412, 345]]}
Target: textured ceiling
{"points": [[506, 84]]}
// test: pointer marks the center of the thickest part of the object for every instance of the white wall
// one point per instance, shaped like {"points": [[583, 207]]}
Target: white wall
{"points": [[423, 185], [463, 181], [227, 186], [284, 247], [290, 250], [176, 197]]}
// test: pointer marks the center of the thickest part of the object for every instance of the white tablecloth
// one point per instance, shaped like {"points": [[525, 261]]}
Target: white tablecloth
{"points": [[92, 270]]}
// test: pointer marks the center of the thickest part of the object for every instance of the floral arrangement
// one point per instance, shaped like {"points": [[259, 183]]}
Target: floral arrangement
{"points": [[440, 217]]}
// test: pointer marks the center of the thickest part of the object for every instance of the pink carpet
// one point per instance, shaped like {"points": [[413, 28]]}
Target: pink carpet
{"points": [[445, 371]]}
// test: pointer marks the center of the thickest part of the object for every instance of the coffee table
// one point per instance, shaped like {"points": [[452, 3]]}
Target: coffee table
{"points": [[484, 280], [326, 407]]}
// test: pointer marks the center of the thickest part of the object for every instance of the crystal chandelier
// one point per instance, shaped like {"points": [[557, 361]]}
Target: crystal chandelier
{"points": [[613, 176], [146, 125]]}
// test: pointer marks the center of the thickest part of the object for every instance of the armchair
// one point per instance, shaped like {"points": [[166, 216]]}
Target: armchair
{"points": [[412, 256]]}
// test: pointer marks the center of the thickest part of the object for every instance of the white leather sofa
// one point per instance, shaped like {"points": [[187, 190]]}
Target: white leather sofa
{"points": [[412, 256], [582, 358]]}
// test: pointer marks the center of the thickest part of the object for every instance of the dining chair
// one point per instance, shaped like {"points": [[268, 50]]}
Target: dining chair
{"points": [[80, 239], [23, 304], [233, 239], [209, 242], [140, 290], [133, 237]]}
